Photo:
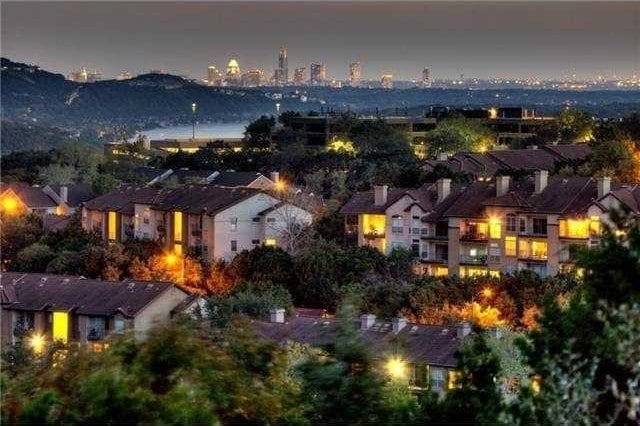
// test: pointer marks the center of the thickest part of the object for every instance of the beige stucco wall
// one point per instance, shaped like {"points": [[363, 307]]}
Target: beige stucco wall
{"points": [[158, 311]]}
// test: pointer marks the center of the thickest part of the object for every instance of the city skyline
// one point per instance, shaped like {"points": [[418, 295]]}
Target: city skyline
{"points": [[479, 40]]}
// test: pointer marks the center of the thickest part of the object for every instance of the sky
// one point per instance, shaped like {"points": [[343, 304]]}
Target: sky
{"points": [[477, 39]]}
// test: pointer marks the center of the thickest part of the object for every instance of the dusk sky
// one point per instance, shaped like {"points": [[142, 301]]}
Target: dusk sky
{"points": [[545, 40]]}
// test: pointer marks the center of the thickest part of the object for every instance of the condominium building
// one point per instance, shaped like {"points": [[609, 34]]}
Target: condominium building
{"points": [[490, 226], [218, 222]]}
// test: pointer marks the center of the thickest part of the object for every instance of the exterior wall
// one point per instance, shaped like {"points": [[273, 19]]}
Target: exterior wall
{"points": [[454, 247], [158, 311], [277, 222], [246, 229], [144, 222]]}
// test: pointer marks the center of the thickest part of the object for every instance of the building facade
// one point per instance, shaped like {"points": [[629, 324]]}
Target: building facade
{"points": [[355, 73], [216, 222], [317, 73], [45, 308], [488, 227]]}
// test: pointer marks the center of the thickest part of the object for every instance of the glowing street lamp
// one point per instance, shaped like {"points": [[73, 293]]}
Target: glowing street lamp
{"points": [[172, 260], [10, 205], [280, 185], [396, 368], [487, 293], [37, 343], [194, 107]]}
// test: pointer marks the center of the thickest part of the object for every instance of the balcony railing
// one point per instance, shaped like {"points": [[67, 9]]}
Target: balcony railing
{"points": [[535, 257], [473, 236], [426, 233], [434, 259], [374, 234], [473, 260], [95, 334]]}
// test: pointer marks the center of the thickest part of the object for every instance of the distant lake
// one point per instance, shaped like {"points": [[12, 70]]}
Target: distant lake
{"points": [[205, 130]]}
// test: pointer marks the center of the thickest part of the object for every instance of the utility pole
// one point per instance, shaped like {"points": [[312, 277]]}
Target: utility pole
{"points": [[194, 106]]}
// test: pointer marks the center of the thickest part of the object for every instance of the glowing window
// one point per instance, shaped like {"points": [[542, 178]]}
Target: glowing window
{"points": [[574, 228], [270, 242], [510, 246], [594, 225], [495, 229], [373, 224], [440, 271], [111, 226], [177, 226], [539, 249], [61, 326], [494, 274], [454, 378], [177, 249]]}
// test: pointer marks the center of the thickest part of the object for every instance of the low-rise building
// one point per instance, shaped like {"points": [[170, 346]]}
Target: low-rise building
{"points": [[60, 200], [422, 354], [217, 222], [489, 226], [47, 308]]}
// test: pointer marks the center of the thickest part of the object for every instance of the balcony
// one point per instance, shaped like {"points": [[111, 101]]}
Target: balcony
{"points": [[532, 257], [95, 334], [474, 237], [437, 259], [430, 235], [373, 234], [473, 260]]}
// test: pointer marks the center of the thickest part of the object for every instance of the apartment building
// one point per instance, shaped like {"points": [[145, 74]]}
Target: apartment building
{"points": [[59, 200], [426, 358], [216, 222], [46, 308], [489, 226]]}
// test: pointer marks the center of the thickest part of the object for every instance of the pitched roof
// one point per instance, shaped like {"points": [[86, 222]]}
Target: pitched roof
{"points": [[433, 345], [77, 193], [190, 176], [233, 179], [199, 199], [125, 197], [32, 196], [364, 202], [34, 292]]}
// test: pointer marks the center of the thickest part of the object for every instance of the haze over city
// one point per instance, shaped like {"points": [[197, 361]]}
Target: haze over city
{"points": [[479, 40]]}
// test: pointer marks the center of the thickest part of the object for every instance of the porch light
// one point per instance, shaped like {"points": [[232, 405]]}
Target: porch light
{"points": [[37, 343], [396, 368]]}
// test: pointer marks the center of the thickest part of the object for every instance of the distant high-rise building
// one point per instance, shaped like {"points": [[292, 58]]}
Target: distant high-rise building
{"points": [[299, 76], [355, 73], [253, 78], [426, 77], [124, 75], [84, 76], [386, 81], [317, 73], [214, 76], [282, 73], [233, 72]]}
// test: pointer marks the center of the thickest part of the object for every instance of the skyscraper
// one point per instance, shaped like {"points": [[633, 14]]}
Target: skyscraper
{"points": [[426, 77], [355, 73], [253, 78], [386, 81], [299, 76], [317, 73], [233, 72], [214, 77], [282, 73]]}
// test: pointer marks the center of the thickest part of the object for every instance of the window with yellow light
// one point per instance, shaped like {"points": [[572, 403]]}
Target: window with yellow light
{"points": [[594, 225], [177, 226], [374, 224], [440, 271], [510, 245], [271, 242], [453, 380], [61, 326], [539, 249], [111, 226], [495, 228], [574, 228]]}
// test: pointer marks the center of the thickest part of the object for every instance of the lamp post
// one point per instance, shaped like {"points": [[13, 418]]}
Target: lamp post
{"points": [[194, 107], [486, 293], [172, 259]]}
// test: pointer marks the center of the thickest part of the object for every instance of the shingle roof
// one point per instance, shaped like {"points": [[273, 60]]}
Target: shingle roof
{"points": [[363, 202], [233, 179], [198, 199], [433, 345], [77, 193], [36, 292], [32, 196], [123, 198], [190, 176]]}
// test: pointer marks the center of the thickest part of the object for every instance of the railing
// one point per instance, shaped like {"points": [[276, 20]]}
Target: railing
{"points": [[473, 236], [530, 256], [434, 259], [473, 260], [426, 233], [374, 234], [95, 334]]}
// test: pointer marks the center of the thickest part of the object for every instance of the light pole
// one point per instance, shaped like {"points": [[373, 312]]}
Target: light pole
{"points": [[486, 293], [194, 107]]}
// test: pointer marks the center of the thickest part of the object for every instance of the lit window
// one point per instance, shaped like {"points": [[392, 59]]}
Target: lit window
{"points": [[454, 378], [177, 226], [177, 249], [373, 225], [510, 245], [397, 225], [494, 274], [495, 229], [61, 326], [270, 242], [111, 226], [574, 228], [594, 225], [234, 223], [440, 271], [234, 245]]}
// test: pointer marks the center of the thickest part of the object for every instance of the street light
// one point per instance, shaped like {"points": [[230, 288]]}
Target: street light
{"points": [[37, 343], [396, 368], [172, 260], [194, 107], [486, 293]]}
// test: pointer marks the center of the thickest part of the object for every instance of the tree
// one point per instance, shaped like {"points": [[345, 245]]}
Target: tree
{"points": [[258, 132], [456, 134], [34, 258], [575, 126], [17, 233]]}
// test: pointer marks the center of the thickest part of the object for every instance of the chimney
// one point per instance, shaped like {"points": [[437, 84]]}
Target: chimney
{"points": [[380, 195], [398, 324], [444, 188], [64, 193], [502, 185], [367, 321], [604, 186], [462, 330], [541, 177], [277, 315], [275, 176]]}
